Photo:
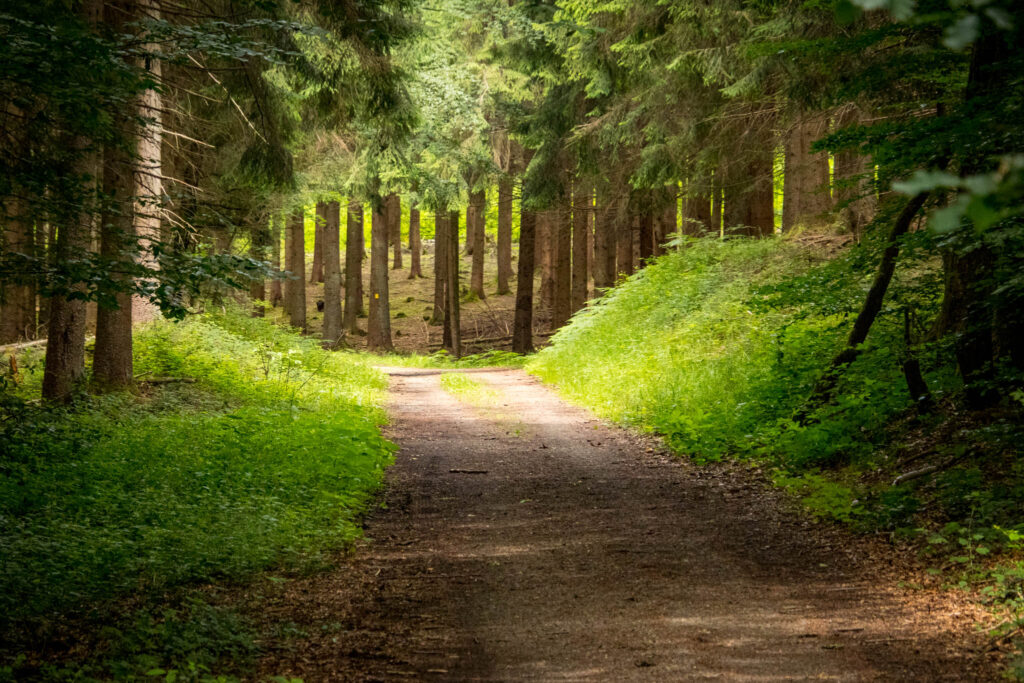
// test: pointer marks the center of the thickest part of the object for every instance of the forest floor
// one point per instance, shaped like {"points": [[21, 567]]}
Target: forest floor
{"points": [[522, 539]]}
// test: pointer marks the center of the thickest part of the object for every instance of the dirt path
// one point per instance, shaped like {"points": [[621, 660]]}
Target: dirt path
{"points": [[528, 541]]}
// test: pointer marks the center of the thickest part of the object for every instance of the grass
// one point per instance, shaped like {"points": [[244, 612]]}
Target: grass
{"points": [[468, 389], [111, 511]]}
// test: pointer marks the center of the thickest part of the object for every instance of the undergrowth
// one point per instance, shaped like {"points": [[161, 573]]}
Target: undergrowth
{"points": [[111, 508]]}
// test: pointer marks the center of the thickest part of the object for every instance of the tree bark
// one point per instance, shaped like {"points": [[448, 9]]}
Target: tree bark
{"points": [[295, 286], [544, 259], [276, 292], [379, 324], [317, 271], [475, 224], [717, 197], [522, 326], [415, 244], [604, 243], [331, 255], [504, 234], [646, 219], [353, 266], [805, 194], [393, 214], [561, 253], [440, 265], [18, 312], [854, 190], [624, 243], [580, 256], [453, 320]]}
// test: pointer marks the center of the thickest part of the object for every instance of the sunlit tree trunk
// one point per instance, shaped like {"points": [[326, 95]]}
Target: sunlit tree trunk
{"points": [[149, 173], [331, 255], [453, 320], [504, 234], [475, 224], [393, 214], [522, 327], [353, 266], [295, 285], [415, 244], [378, 336], [581, 202], [316, 273], [440, 265]]}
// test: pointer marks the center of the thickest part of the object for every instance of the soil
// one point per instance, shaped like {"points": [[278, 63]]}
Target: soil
{"points": [[526, 540]]}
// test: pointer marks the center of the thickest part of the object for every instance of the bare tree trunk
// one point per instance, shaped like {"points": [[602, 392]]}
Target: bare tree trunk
{"points": [[561, 256], [544, 259], [393, 214], [331, 255], [65, 347], [415, 245], [580, 256], [646, 219], [317, 271], [276, 293], [149, 189], [854, 189], [112, 359], [379, 325], [259, 239], [805, 187], [453, 320], [624, 244], [504, 234], [716, 203], [353, 266], [604, 243], [697, 215], [522, 326], [440, 265], [18, 314], [295, 286], [475, 224]]}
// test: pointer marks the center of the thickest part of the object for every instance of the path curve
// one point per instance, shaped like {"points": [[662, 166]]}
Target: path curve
{"points": [[526, 540]]}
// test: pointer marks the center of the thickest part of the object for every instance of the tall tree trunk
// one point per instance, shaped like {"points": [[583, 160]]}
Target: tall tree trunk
{"points": [[379, 325], [581, 201], [18, 312], [453, 320], [854, 188], [805, 187], [717, 199], [561, 254], [317, 271], [149, 190], [761, 199], [112, 358], [646, 219], [544, 259], [522, 326], [475, 223], [331, 255], [393, 214], [624, 243], [440, 265], [604, 242], [415, 245], [65, 347], [295, 286], [504, 233], [353, 266], [259, 240], [276, 293]]}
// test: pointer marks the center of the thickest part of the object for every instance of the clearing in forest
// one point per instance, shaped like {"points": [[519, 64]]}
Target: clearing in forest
{"points": [[524, 540]]}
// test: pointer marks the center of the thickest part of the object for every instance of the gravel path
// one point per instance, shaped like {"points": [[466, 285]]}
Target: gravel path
{"points": [[526, 540]]}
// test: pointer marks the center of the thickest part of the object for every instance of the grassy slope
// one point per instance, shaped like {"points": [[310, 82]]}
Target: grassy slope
{"points": [[266, 462]]}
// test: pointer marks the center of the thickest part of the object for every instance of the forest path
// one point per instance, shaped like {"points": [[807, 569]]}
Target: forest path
{"points": [[525, 540]]}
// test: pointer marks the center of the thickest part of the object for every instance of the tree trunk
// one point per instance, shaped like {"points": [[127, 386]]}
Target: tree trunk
{"points": [[717, 196], [65, 348], [112, 359], [18, 313], [504, 234], [453, 320], [415, 245], [522, 327], [624, 244], [317, 271], [276, 293], [259, 239], [561, 253], [379, 325], [805, 189], [331, 255], [646, 219], [295, 286], [544, 259], [440, 266], [581, 201], [854, 187], [353, 266], [393, 214], [604, 243], [475, 224], [149, 190]]}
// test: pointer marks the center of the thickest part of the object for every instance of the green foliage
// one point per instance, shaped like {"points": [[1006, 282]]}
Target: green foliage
{"points": [[267, 460]]}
